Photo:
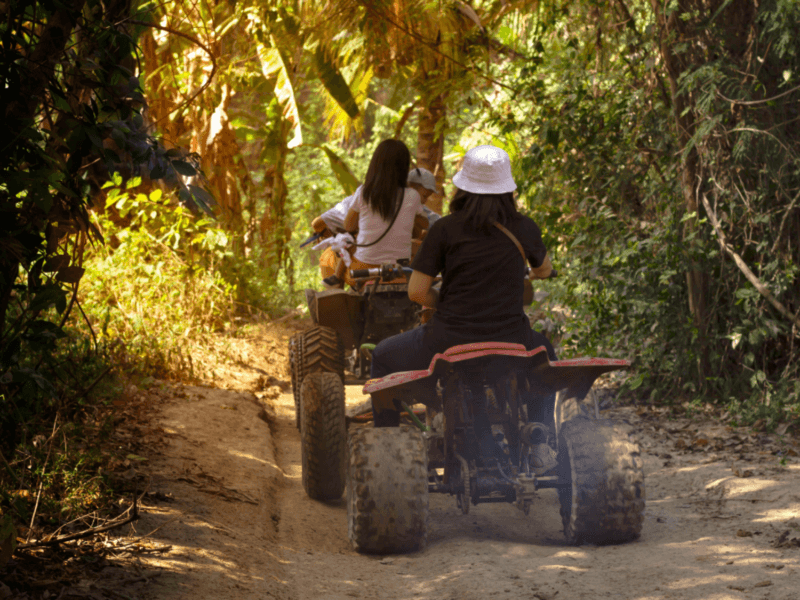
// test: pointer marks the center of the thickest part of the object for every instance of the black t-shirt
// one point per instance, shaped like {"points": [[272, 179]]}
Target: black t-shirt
{"points": [[481, 294]]}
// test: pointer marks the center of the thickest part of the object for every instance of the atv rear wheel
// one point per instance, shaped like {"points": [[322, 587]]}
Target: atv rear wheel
{"points": [[605, 501], [387, 490], [296, 369], [323, 436]]}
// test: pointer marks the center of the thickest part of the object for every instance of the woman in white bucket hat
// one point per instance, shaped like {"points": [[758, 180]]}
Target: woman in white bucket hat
{"points": [[481, 297]]}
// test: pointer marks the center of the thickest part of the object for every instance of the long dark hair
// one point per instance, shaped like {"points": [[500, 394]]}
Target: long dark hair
{"points": [[386, 177], [481, 210]]}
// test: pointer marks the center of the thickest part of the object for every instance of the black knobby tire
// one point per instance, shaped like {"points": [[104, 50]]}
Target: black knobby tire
{"points": [[387, 490], [606, 499], [323, 436], [296, 369], [322, 350]]}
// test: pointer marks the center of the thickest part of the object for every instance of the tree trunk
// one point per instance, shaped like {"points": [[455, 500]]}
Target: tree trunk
{"points": [[673, 31], [274, 231], [430, 142]]}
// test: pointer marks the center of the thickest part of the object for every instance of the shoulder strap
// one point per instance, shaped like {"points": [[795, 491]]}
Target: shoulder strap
{"points": [[394, 218], [513, 238]]}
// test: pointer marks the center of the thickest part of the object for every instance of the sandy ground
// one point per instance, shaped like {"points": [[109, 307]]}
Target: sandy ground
{"points": [[228, 508]]}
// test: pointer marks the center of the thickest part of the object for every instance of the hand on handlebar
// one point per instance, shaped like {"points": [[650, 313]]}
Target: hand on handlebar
{"points": [[532, 275]]}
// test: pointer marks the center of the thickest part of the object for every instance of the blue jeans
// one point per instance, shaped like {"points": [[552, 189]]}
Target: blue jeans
{"points": [[405, 351]]}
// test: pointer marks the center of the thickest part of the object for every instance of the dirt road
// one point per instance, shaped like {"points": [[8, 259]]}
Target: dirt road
{"points": [[239, 526]]}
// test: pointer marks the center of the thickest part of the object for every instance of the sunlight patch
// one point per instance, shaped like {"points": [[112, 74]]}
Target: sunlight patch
{"points": [[779, 514]]}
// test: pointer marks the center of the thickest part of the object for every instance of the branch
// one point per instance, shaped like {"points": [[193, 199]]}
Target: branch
{"points": [[783, 223], [134, 514], [753, 130], [194, 40], [404, 119], [94, 383], [754, 102], [751, 277], [10, 470]]}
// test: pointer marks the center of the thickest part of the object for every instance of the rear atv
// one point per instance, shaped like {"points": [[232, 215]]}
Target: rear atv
{"points": [[480, 392]]}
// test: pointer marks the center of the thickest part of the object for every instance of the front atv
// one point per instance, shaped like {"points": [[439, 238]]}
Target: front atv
{"points": [[347, 325]]}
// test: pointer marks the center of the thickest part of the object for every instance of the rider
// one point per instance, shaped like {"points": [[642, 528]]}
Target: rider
{"points": [[482, 273], [331, 222], [384, 210]]}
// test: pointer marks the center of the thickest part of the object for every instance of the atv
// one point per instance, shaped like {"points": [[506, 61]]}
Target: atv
{"points": [[597, 471], [346, 326]]}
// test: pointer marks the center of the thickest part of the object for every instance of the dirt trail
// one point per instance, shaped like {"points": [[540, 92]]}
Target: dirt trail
{"points": [[241, 527]]}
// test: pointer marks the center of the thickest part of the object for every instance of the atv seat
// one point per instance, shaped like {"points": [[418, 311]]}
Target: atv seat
{"points": [[491, 358]]}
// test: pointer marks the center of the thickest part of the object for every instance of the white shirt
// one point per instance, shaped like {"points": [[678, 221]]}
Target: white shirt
{"points": [[334, 218], [396, 244]]}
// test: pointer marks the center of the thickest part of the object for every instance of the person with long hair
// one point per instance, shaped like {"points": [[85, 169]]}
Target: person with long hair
{"points": [[383, 212], [482, 269]]}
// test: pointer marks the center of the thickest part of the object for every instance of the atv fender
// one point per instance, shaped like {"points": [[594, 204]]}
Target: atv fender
{"points": [[341, 311]]}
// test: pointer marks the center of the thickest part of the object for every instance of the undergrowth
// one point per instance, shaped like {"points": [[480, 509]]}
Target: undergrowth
{"points": [[155, 289], [151, 296]]}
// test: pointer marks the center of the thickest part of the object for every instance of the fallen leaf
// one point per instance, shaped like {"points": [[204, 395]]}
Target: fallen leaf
{"points": [[765, 583], [135, 457]]}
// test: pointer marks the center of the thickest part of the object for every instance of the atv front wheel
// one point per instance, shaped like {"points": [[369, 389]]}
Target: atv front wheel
{"points": [[315, 350], [605, 501], [323, 436], [322, 350], [387, 490]]}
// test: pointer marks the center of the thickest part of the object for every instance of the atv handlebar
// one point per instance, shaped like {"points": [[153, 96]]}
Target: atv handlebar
{"points": [[385, 272]]}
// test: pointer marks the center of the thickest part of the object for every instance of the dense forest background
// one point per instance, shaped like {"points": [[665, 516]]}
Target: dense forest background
{"points": [[163, 160]]}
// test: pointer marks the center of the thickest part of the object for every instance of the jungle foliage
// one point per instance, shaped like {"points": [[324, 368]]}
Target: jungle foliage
{"points": [[164, 159], [663, 154]]}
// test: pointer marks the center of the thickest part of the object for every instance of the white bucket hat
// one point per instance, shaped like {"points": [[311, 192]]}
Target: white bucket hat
{"points": [[424, 178], [486, 170]]}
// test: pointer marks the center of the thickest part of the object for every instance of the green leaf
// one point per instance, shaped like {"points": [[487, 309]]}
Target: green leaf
{"points": [[48, 296], [203, 199], [273, 65], [70, 274], [158, 171], [184, 168], [343, 173], [55, 262], [636, 382], [335, 83]]}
